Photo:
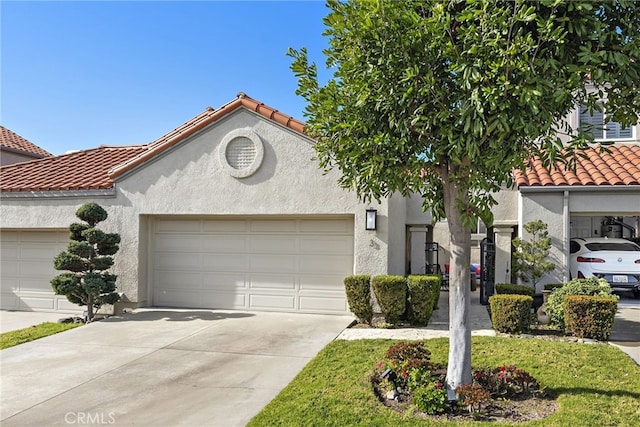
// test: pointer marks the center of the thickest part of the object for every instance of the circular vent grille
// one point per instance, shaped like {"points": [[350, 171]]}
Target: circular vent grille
{"points": [[241, 152]]}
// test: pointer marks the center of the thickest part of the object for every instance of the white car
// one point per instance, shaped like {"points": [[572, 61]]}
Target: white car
{"points": [[613, 259]]}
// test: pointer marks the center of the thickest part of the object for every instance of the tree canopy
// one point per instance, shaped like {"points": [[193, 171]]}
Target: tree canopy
{"points": [[446, 98]]}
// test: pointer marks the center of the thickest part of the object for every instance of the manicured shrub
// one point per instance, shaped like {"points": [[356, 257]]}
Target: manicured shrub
{"points": [[391, 293], [589, 316], [358, 290], [423, 293], [510, 288], [552, 286], [554, 306], [510, 313], [431, 399]]}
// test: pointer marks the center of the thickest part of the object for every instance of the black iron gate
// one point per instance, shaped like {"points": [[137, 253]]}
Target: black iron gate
{"points": [[487, 270]]}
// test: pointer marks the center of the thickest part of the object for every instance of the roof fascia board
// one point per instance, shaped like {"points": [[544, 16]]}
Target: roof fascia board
{"points": [[577, 188], [58, 194]]}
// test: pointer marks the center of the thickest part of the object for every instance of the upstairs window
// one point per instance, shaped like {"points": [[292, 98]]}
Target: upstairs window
{"points": [[594, 123]]}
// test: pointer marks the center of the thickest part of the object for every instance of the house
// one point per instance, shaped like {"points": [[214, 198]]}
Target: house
{"points": [[16, 149], [230, 210]]}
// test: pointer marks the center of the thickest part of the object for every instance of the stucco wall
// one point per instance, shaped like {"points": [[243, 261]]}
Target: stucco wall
{"points": [[549, 208]]}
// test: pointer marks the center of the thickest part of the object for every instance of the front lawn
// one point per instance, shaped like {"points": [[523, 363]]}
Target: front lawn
{"points": [[20, 336], [595, 384]]}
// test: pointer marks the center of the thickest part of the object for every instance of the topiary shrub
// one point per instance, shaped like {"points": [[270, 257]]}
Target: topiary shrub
{"points": [[358, 290], [554, 307], [391, 293], [589, 316], [511, 313], [510, 288], [423, 293]]}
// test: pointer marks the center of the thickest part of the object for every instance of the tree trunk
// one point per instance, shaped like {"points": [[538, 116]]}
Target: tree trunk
{"points": [[89, 308], [459, 367]]}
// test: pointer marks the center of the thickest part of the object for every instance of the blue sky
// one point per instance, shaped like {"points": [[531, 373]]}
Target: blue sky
{"points": [[80, 74]]}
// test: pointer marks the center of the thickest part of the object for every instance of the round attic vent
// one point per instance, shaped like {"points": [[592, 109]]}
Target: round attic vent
{"points": [[241, 153]]}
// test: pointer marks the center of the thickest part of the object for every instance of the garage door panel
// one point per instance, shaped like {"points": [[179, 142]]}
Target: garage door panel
{"points": [[322, 283], [273, 282], [179, 261], [272, 263], [175, 280], [35, 285], [9, 284], [270, 244], [326, 245], [291, 264], [176, 242], [181, 226], [328, 264], [226, 226], [38, 252], [10, 251], [9, 268], [273, 302], [225, 282], [36, 303], [272, 226], [224, 262], [317, 303], [226, 243], [326, 226]]}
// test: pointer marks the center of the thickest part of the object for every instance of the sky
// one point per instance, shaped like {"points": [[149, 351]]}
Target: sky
{"points": [[80, 74]]}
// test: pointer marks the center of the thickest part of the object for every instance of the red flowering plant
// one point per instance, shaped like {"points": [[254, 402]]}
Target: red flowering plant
{"points": [[505, 381]]}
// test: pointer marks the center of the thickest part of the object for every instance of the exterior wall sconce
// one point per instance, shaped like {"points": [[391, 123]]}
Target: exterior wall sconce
{"points": [[371, 219]]}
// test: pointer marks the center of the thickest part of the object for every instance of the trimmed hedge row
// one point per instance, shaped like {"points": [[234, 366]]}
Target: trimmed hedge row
{"points": [[358, 290], [414, 297], [511, 313], [510, 288], [391, 293], [423, 292], [589, 316]]}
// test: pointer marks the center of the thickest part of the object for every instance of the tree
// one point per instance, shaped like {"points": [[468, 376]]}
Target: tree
{"points": [[446, 98], [529, 257], [88, 256]]}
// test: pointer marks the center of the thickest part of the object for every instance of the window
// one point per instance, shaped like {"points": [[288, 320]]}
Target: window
{"points": [[594, 123]]}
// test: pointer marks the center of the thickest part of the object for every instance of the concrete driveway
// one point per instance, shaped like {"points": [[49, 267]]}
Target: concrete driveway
{"points": [[161, 367]]}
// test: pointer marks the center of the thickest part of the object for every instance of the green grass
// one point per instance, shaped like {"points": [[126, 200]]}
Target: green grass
{"points": [[20, 336], [595, 385]]}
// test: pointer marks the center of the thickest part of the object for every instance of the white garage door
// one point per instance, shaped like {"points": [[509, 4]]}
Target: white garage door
{"points": [[289, 264], [27, 268]]}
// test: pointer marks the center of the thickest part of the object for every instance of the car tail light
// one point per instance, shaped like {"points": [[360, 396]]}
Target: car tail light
{"points": [[586, 259], [637, 261]]}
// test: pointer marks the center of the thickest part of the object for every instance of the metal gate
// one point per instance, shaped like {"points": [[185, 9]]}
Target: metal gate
{"points": [[487, 270]]}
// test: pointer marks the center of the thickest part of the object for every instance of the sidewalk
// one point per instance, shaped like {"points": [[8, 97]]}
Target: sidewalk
{"points": [[438, 326]]}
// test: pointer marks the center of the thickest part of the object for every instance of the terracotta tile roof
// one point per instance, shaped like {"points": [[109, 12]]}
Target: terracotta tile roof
{"points": [[619, 166], [97, 168], [12, 140], [81, 170], [202, 120]]}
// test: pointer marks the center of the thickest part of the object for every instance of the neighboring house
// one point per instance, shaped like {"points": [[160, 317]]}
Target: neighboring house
{"points": [[230, 211], [16, 149]]}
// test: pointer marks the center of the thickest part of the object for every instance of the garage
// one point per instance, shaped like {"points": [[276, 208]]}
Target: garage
{"points": [[289, 264], [27, 268]]}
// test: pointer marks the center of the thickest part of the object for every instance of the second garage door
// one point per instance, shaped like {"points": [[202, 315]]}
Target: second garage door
{"points": [[277, 264]]}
